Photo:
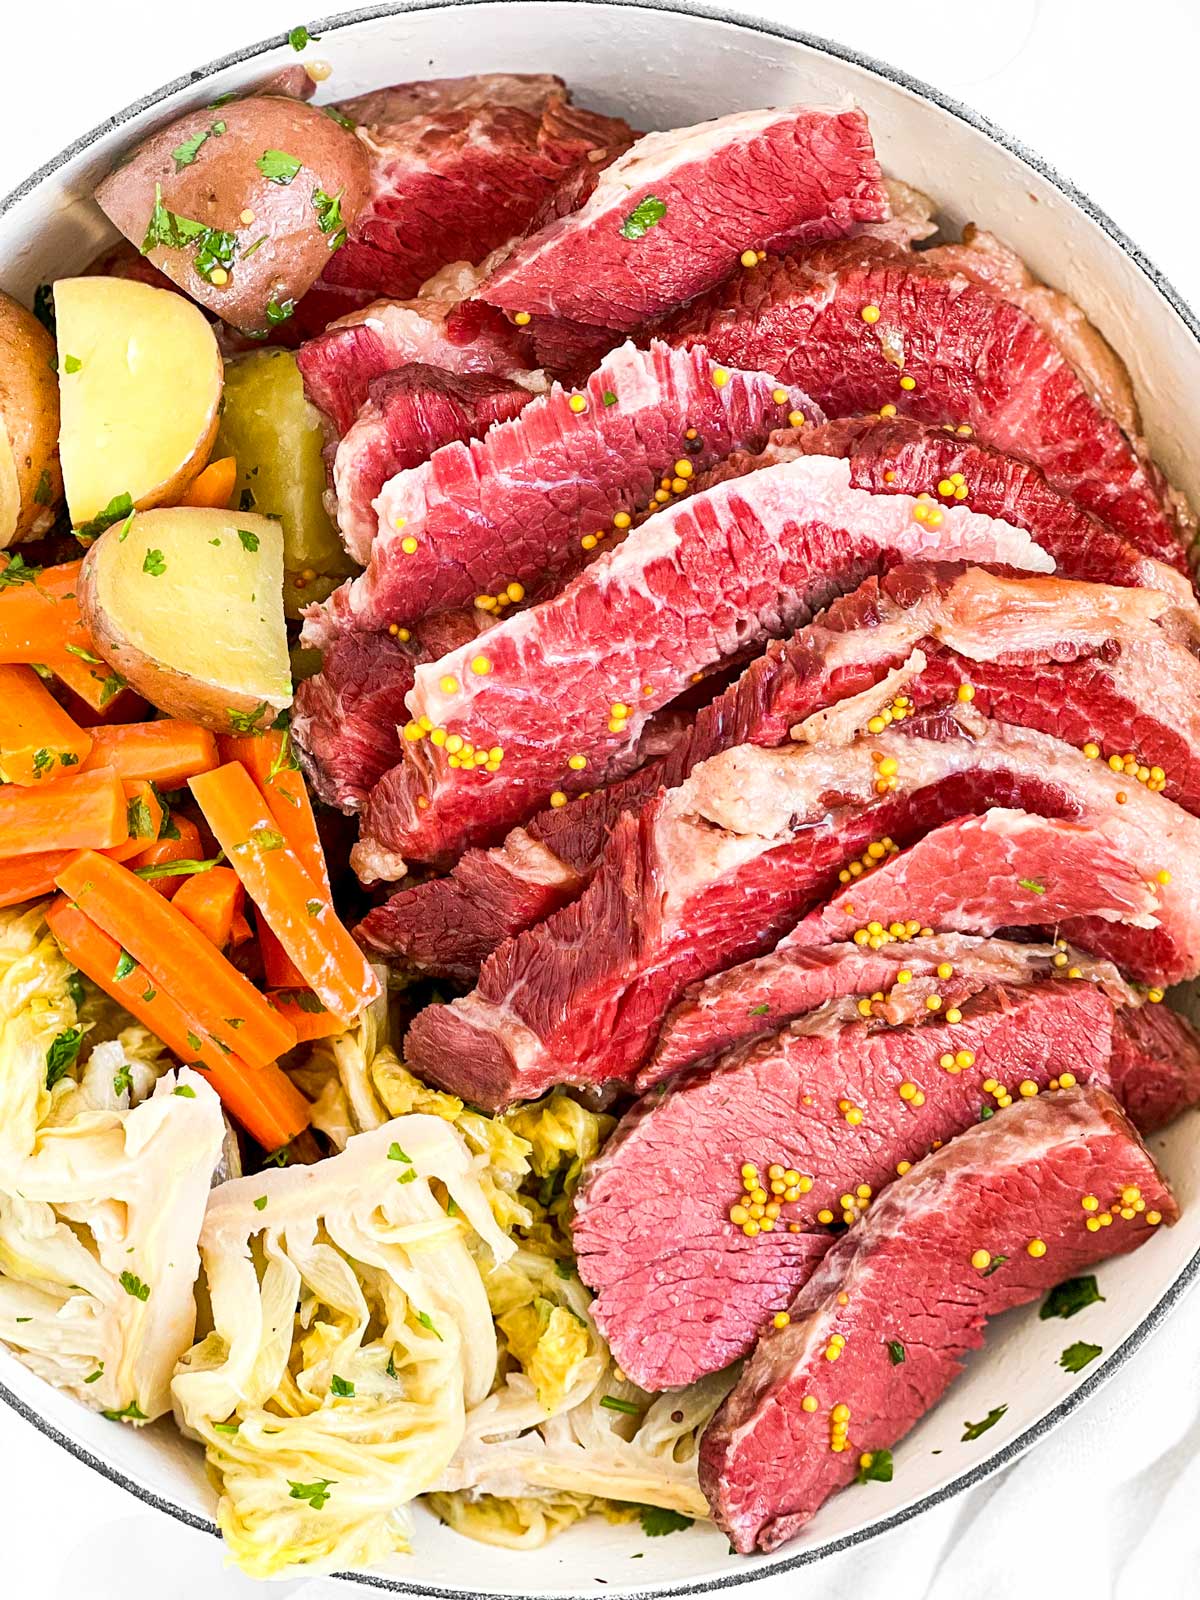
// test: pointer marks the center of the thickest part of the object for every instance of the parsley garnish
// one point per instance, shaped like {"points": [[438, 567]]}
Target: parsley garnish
{"points": [[17, 573], [758, 1011], [184, 154], [226, 1427], [178, 869], [247, 721], [408, 1177], [62, 1055], [122, 1079], [267, 838], [117, 508], [972, 1430], [657, 1521], [150, 994], [278, 167], [71, 364], [337, 115], [249, 540], [138, 819], [426, 1321], [167, 228], [154, 565], [93, 1377], [341, 1387], [1032, 885], [277, 312], [84, 655], [993, 1265], [896, 1352], [300, 38], [1065, 1299], [396, 1154], [193, 1041], [261, 1203], [612, 1402], [880, 1469], [125, 965], [644, 216], [315, 1493], [133, 1285], [184, 1091], [43, 760], [313, 907], [132, 1413], [390, 1369], [278, 1158], [111, 687], [329, 216], [1077, 1356], [609, 398]]}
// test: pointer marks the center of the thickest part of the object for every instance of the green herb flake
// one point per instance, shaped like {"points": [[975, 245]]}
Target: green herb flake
{"points": [[1065, 1299], [17, 573], [1079, 1355], [972, 1430], [279, 311], [315, 1493], [193, 1042], [184, 1091], [875, 1466], [138, 819], [132, 1413], [896, 1352], [178, 869], [62, 1055], [235, 1022], [644, 216], [609, 398], [216, 249], [986, 1113], [43, 760], [94, 1377], [300, 38], [248, 721], [994, 1265], [168, 229], [122, 1079], [125, 965], [111, 687], [1032, 885], [133, 1285], [222, 99], [426, 1321], [396, 1154], [71, 364], [628, 1408], [329, 216], [267, 838], [408, 1177], [452, 1210], [341, 1387], [184, 154], [759, 1010], [278, 167], [117, 509], [278, 1158], [390, 1369], [154, 564], [251, 248], [41, 494], [335, 114], [249, 540], [313, 907], [261, 1203], [226, 1427], [658, 1521], [150, 994]]}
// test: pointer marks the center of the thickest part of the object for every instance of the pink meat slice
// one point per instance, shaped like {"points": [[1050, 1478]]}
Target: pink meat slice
{"points": [[1073, 659], [673, 215], [408, 414], [905, 1276], [515, 506], [976, 360], [718, 869], [700, 584]]}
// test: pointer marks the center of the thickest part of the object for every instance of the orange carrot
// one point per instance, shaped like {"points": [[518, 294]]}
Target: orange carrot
{"points": [[186, 846], [214, 486], [242, 931], [38, 740], [39, 612], [299, 913], [83, 810], [85, 674], [211, 901], [263, 1099], [168, 751], [198, 978], [306, 1014], [27, 877]]}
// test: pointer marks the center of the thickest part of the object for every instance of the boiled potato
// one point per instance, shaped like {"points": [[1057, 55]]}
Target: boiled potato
{"points": [[277, 438], [187, 604], [30, 480], [241, 204], [139, 378]]}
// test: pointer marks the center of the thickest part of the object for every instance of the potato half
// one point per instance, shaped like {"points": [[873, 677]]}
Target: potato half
{"points": [[188, 605], [140, 378], [241, 204], [30, 480]]}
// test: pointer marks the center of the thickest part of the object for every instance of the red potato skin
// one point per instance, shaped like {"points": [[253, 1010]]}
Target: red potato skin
{"points": [[223, 183]]}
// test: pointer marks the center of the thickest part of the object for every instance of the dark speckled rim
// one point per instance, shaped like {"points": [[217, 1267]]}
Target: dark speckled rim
{"points": [[1187, 1276]]}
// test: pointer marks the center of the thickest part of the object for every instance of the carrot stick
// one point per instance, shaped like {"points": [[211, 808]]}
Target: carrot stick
{"points": [[279, 970], [168, 752], [187, 846], [214, 486], [263, 1099], [83, 810], [210, 901], [198, 978], [242, 931], [27, 877], [306, 1014], [38, 740], [39, 612], [85, 674], [299, 913]]}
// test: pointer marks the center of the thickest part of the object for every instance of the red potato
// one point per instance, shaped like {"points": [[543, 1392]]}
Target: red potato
{"points": [[241, 204], [30, 479]]}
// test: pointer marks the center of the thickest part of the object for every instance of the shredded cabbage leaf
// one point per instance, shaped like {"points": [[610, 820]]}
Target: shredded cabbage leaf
{"points": [[40, 1034]]}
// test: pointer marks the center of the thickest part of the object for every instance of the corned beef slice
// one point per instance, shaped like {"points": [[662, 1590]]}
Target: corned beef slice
{"points": [[1081, 661], [716, 870], [458, 167], [673, 215], [408, 415], [975, 360], [681, 1289], [905, 1275], [699, 584], [515, 506]]}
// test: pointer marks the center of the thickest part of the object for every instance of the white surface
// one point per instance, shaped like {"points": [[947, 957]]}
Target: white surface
{"points": [[1099, 1502]]}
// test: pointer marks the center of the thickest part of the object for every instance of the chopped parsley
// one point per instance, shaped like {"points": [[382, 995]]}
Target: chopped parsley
{"points": [[150, 994], [117, 509], [84, 655], [125, 965], [94, 1377], [71, 364], [62, 1055], [43, 760], [279, 312], [396, 1154], [972, 1430], [657, 1521], [390, 1369], [341, 1387], [612, 1402], [226, 1427], [248, 721], [759, 1010], [16, 573], [1065, 1299], [213, 246], [300, 38], [193, 1041], [138, 819], [184, 1091], [1032, 885], [235, 1022], [313, 907], [994, 1265], [184, 154], [896, 1352], [426, 1321], [875, 1466], [1077, 1356], [249, 540], [329, 216], [278, 167], [133, 1285], [335, 114], [409, 1177], [986, 1113], [609, 398], [308, 1002], [110, 687], [644, 216], [132, 1413], [267, 838], [122, 1079], [278, 1158], [261, 1203], [315, 1493], [178, 869], [154, 564]]}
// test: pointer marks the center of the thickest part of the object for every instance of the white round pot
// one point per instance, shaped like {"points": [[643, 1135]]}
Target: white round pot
{"points": [[662, 64]]}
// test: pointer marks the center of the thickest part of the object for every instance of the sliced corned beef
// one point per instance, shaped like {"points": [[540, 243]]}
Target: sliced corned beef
{"points": [[346, 720], [681, 1288], [1082, 661], [1156, 1063], [459, 166], [516, 507], [971, 357], [906, 1276], [716, 870], [565, 688], [673, 215], [408, 414], [339, 364]]}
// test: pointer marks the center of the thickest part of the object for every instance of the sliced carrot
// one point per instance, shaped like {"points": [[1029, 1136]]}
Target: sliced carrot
{"points": [[38, 740], [306, 1014], [242, 931], [263, 1099], [27, 877], [198, 978], [81, 811], [185, 846], [298, 912], [214, 486], [211, 901], [168, 751], [96, 683], [39, 612]]}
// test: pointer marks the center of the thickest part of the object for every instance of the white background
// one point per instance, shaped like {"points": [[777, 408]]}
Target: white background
{"points": [[1106, 92]]}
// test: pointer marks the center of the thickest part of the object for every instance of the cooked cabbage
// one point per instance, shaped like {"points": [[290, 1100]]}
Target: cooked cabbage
{"points": [[98, 1257], [40, 1035]]}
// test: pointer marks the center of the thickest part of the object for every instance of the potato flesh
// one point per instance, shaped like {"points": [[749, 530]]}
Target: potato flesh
{"points": [[139, 411], [213, 614]]}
